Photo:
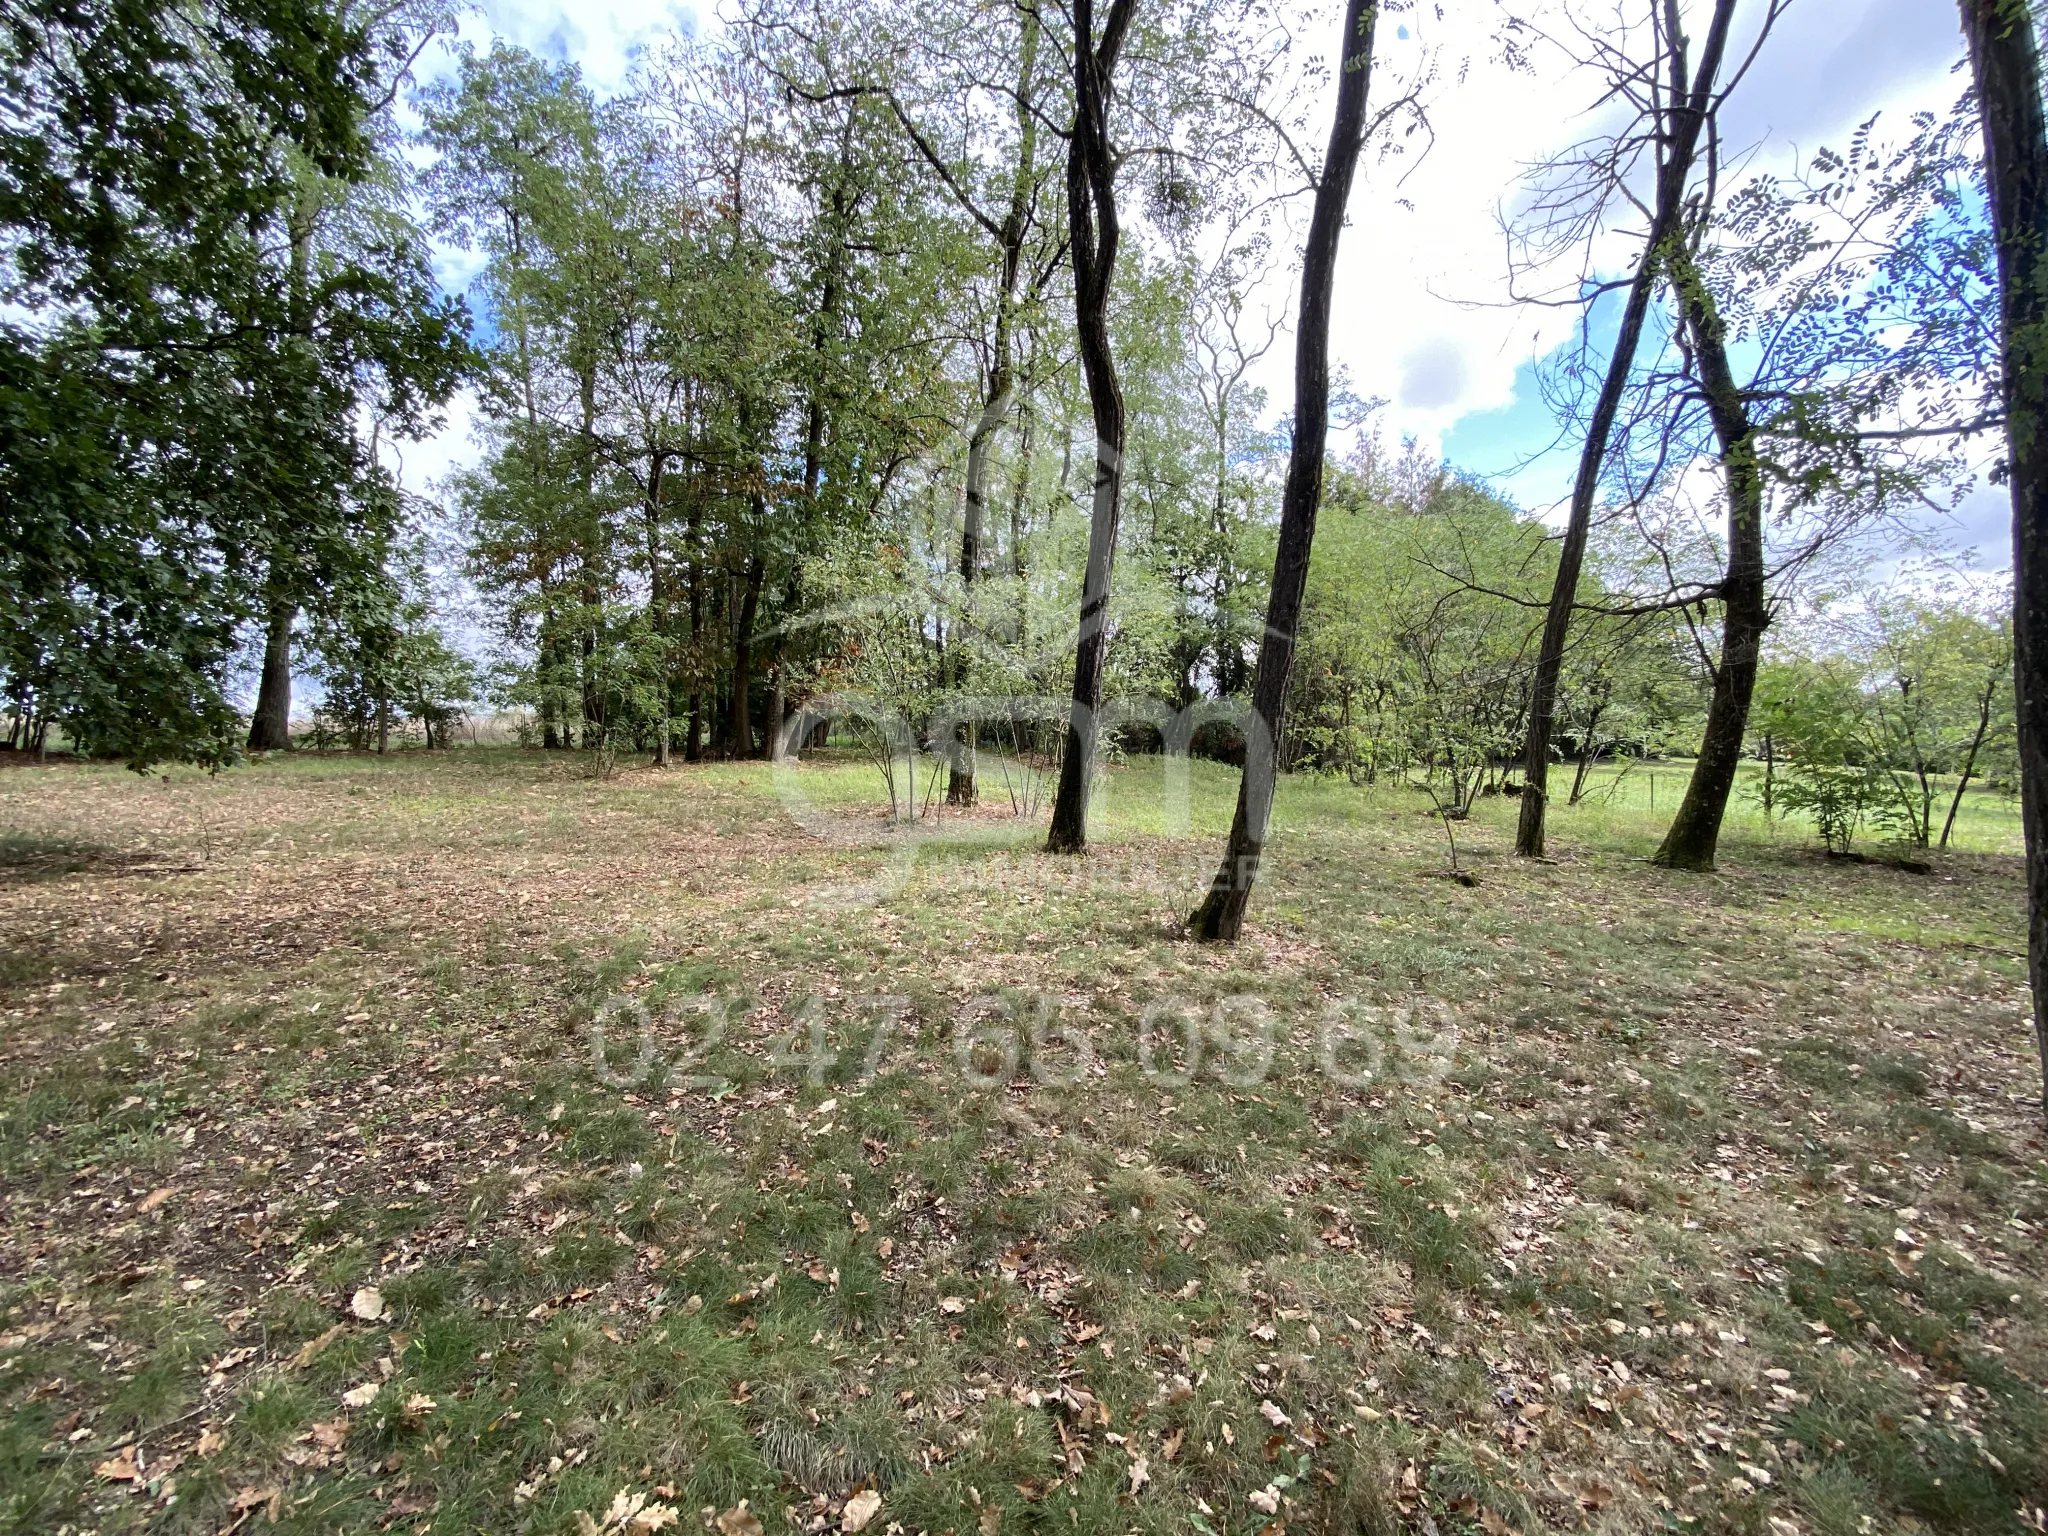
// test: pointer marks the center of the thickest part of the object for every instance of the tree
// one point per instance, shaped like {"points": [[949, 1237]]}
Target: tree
{"points": [[1690, 840], [1221, 914], [382, 660], [975, 83], [332, 221], [1938, 678], [1093, 235], [2005, 62], [178, 404], [1676, 107]]}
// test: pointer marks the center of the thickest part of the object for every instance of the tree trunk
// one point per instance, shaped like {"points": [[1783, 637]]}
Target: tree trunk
{"points": [[659, 617], [960, 787], [595, 704], [2007, 70], [1588, 756], [1093, 234], [1969, 760], [270, 728], [1019, 499], [1679, 149], [1221, 913], [693, 743], [593, 696], [1745, 614], [995, 407], [741, 741]]}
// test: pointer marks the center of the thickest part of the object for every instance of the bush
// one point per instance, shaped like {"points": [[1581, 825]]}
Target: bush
{"points": [[1838, 798]]}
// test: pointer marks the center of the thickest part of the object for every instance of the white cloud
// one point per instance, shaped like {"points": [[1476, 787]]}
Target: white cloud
{"points": [[422, 465], [601, 39], [1423, 313]]}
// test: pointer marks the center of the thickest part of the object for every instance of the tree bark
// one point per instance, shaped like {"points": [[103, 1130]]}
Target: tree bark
{"points": [[1689, 112], [270, 728], [595, 704], [1001, 386], [741, 741], [658, 600], [2006, 66], [1221, 914], [693, 743], [1695, 831], [1589, 754], [1969, 761], [1093, 233]]}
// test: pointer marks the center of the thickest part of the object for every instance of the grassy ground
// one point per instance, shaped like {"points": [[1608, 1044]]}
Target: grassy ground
{"points": [[1670, 1202]]}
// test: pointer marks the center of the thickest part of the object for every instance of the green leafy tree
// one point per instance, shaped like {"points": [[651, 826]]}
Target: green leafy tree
{"points": [[178, 390]]}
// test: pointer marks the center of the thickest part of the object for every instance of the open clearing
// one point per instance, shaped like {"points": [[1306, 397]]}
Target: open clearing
{"points": [[1702, 1203]]}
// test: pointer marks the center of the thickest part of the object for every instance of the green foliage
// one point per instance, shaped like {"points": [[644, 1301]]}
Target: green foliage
{"points": [[1913, 690], [1414, 653], [187, 347], [1837, 796], [383, 663]]}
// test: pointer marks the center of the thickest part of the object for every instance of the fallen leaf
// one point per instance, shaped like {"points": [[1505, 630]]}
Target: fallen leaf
{"points": [[210, 1442], [254, 1498], [310, 1350], [330, 1435], [363, 1396], [738, 1521], [1274, 1415], [952, 1306], [860, 1509], [1266, 1501], [123, 1467], [152, 1200], [1141, 1474], [367, 1303]]}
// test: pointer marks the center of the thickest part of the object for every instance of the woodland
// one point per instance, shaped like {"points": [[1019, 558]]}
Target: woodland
{"points": [[941, 890]]}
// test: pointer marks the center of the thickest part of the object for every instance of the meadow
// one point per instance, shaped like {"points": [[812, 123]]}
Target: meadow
{"points": [[478, 1141]]}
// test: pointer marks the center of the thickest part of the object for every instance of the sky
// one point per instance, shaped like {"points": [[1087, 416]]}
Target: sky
{"points": [[1422, 316]]}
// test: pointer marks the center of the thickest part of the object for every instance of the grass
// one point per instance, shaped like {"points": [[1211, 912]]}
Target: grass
{"points": [[694, 1156]]}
